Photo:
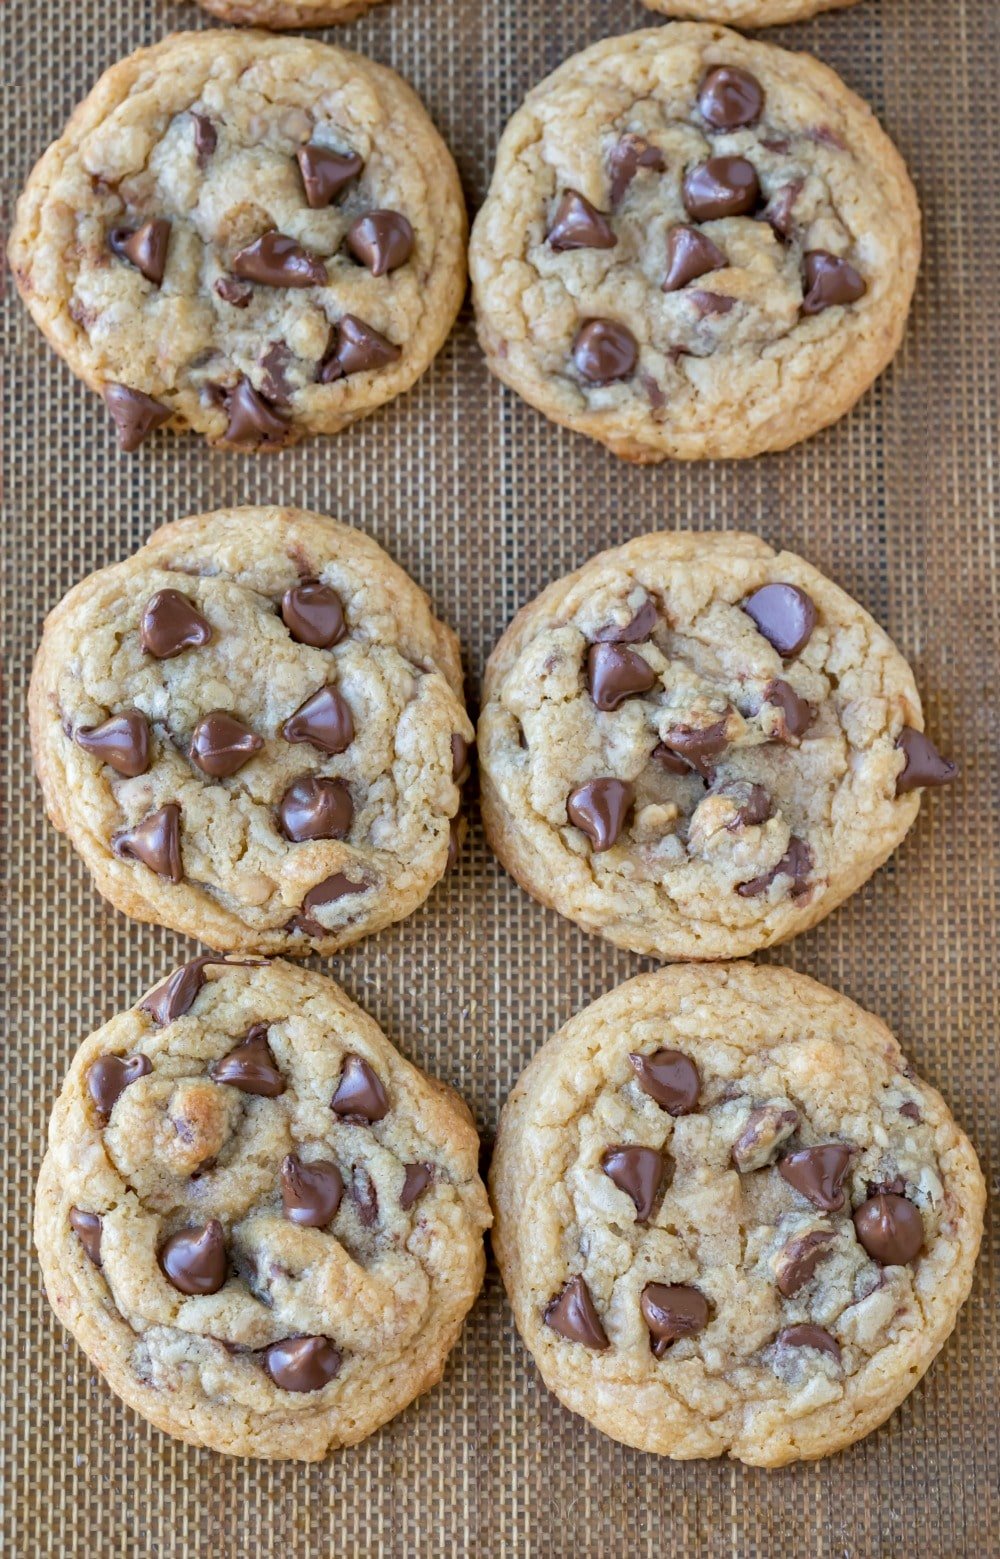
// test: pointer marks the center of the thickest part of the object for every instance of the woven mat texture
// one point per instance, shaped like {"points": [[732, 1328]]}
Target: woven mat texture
{"points": [[484, 502]]}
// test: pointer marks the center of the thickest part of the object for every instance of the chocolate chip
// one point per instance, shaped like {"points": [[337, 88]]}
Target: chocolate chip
{"points": [[171, 624], [780, 212], [627, 156], [785, 615], [818, 1173], [600, 809], [721, 187], [797, 715], [316, 809], [753, 804], [175, 996], [356, 348], [275, 260], [604, 350], [615, 673], [639, 627], [323, 720], [890, 1228], [707, 303], [250, 1066], [253, 421], [302, 1363], [382, 240], [109, 1076], [221, 744], [911, 1110], [671, 761], [145, 248], [671, 1311], [276, 386], [360, 1097], [574, 1316], [796, 863], [310, 1193], [670, 1078], [696, 745], [88, 1228], [924, 765], [730, 98], [325, 173], [156, 842], [121, 742], [418, 1178], [194, 1260], [313, 613], [799, 1258], [237, 293], [766, 1129], [205, 138], [329, 891], [806, 1336], [578, 225], [637, 1172], [459, 759], [134, 414], [829, 282], [365, 1197], [690, 254]]}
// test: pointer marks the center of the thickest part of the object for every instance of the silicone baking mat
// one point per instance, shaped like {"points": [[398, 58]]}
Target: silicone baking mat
{"points": [[484, 502]]}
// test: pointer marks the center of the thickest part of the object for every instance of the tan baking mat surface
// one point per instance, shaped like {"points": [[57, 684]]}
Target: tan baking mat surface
{"points": [[484, 502]]}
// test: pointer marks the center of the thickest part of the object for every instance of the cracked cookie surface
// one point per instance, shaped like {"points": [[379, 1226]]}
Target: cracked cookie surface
{"points": [[729, 1217], [197, 244], [697, 746], [253, 732], [260, 1222], [694, 245]]}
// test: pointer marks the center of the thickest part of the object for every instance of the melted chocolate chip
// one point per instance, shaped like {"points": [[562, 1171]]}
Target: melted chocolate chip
{"points": [[707, 303], [310, 1193], [796, 863], [156, 842], [276, 386], [696, 745], [325, 173], [690, 254], [796, 714], [721, 187], [194, 1260], [671, 761], [172, 624], [356, 348], [459, 759], [604, 350], [730, 98], [329, 891], [639, 627], [316, 809], [615, 673], [578, 225], [135, 415], [236, 293], [109, 1076], [766, 1129], [818, 1174], [313, 613], [780, 212], [627, 156], [360, 1097], [600, 809], [799, 1258], [145, 248], [253, 421], [382, 240], [221, 744], [574, 1316], [364, 1196], [87, 1228], [637, 1172], [785, 615], [890, 1228], [302, 1363], [753, 805], [807, 1336], [324, 721], [250, 1066], [205, 138], [911, 1110], [671, 1311], [275, 260], [121, 742], [670, 1078], [418, 1178], [829, 282], [175, 996], [924, 765]]}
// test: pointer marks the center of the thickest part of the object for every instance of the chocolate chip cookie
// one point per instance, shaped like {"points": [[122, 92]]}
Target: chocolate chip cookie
{"points": [[698, 746], [253, 732], [295, 13], [729, 1217], [258, 238], [738, 13], [694, 245], [259, 1221]]}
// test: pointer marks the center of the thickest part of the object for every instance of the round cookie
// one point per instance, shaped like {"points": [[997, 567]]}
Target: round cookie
{"points": [[258, 238], [694, 245], [697, 746], [738, 13], [253, 732], [261, 1224], [729, 1218]]}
